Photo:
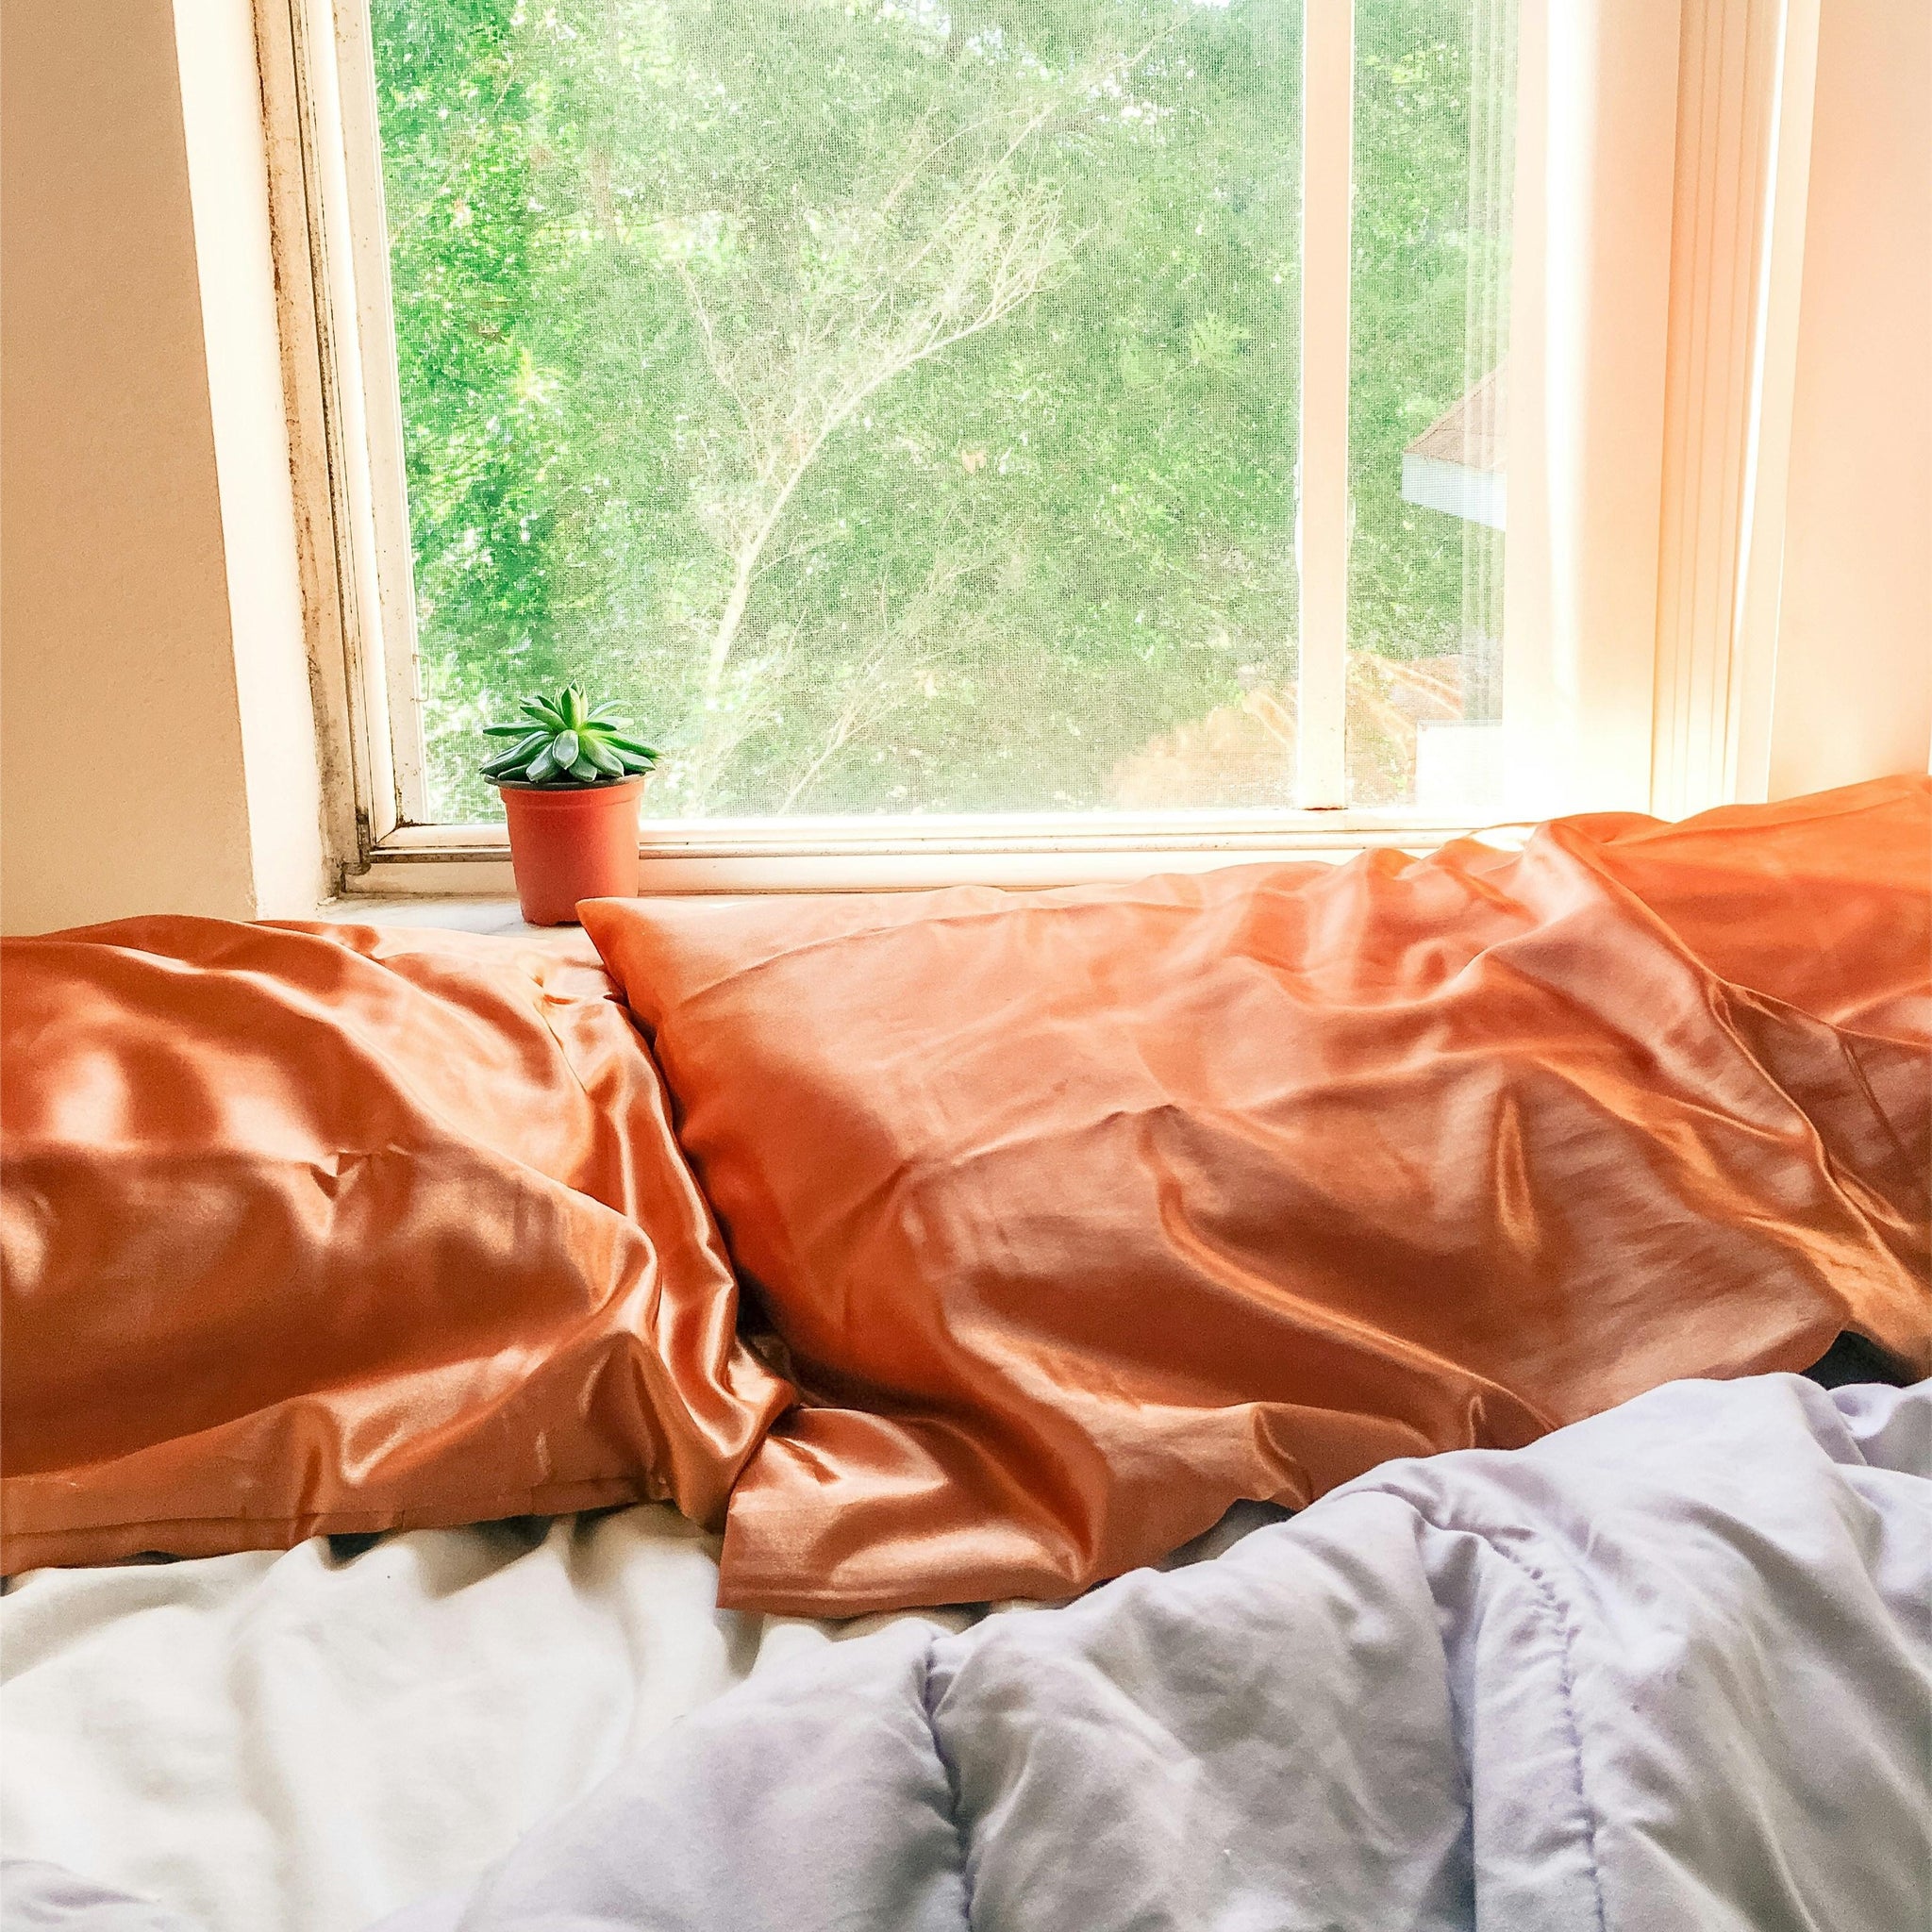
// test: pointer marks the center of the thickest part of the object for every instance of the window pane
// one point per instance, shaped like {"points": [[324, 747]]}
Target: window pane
{"points": [[1435, 99], [893, 405]]}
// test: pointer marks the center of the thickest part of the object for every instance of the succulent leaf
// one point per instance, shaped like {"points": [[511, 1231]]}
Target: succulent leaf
{"points": [[565, 741]]}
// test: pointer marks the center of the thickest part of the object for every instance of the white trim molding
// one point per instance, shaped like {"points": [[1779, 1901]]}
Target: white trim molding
{"points": [[384, 516], [880, 854], [328, 445], [1738, 235], [1781, 274], [1589, 305], [1322, 496]]}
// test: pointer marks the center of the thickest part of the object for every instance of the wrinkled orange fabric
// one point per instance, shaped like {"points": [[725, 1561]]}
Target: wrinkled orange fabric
{"points": [[324, 1229], [1081, 1214]]}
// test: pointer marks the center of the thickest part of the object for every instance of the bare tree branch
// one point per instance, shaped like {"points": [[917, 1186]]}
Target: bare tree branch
{"points": [[887, 283]]}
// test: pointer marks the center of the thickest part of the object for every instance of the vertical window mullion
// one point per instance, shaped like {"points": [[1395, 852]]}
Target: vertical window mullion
{"points": [[386, 605], [1321, 514]]}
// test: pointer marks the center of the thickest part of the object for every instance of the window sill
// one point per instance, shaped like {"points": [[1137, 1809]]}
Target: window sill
{"points": [[498, 918], [471, 862]]}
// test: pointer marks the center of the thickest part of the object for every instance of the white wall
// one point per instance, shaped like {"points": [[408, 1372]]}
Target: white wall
{"points": [[1852, 696]]}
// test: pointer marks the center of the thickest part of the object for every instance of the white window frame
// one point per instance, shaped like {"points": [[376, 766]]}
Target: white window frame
{"points": [[345, 418], [1321, 493]]}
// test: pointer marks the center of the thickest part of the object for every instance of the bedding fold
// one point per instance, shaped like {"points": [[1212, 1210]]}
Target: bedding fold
{"points": [[1669, 1670], [304, 1741], [324, 1229]]}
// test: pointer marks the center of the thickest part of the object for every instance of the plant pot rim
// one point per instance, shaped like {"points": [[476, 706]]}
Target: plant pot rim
{"points": [[575, 788]]}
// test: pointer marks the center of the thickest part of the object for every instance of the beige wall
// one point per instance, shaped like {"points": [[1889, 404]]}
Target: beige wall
{"points": [[1854, 680], [130, 635]]}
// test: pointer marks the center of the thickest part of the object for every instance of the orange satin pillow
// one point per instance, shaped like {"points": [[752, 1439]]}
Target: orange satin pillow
{"points": [[313, 1229], [1081, 1214]]}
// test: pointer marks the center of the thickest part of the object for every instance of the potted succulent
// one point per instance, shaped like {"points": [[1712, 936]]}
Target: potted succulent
{"points": [[570, 785]]}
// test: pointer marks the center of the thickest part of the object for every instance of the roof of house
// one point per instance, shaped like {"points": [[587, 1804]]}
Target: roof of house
{"points": [[1472, 432]]}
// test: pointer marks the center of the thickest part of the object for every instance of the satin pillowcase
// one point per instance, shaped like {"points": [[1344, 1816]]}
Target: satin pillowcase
{"points": [[327, 1229], [1079, 1215]]}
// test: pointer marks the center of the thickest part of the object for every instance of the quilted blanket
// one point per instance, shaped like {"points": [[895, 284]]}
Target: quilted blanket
{"points": [[1671, 1667]]}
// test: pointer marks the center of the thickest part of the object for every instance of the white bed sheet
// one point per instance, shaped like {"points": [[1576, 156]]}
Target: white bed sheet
{"points": [[301, 1741]]}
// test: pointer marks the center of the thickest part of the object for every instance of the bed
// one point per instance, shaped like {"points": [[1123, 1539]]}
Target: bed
{"points": [[486, 1425]]}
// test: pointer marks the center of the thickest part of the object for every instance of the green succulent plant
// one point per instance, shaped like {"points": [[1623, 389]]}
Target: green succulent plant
{"points": [[565, 741]]}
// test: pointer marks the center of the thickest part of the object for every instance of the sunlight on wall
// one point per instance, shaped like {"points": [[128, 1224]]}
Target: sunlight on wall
{"points": [[1853, 692], [158, 745], [123, 782]]}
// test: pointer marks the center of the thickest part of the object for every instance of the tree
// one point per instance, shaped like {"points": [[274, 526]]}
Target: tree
{"points": [[895, 405], [878, 287]]}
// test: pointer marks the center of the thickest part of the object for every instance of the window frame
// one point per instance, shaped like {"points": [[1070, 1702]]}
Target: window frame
{"points": [[346, 425], [391, 553]]}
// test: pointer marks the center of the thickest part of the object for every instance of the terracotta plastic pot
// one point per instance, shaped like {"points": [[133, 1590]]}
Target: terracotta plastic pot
{"points": [[570, 842]]}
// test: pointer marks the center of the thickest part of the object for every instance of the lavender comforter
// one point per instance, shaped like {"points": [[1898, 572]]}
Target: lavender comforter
{"points": [[1668, 1668]]}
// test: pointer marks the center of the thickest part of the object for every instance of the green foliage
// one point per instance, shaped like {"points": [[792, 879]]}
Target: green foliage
{"points": [[901, 403], [566, 742], [1434, 154]]}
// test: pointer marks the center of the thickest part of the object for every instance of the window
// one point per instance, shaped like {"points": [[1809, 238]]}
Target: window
{"points": [[1434, 168], [900, 407]]}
